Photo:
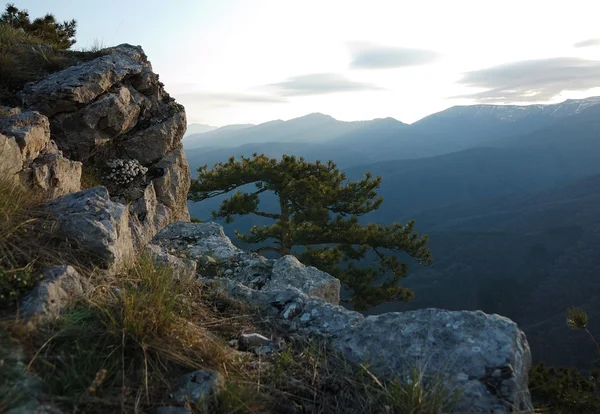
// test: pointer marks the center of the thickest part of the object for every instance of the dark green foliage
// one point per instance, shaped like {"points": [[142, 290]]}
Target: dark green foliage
{"points": [[318, 209], [564, 390], [47, 29], [15, 283]]}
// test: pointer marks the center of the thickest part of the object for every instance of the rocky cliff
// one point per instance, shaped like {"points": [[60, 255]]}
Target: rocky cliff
{"points": [[102, 140], [111, 120]]}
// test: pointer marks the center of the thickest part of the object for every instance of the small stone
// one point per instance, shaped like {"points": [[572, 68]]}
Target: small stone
{"points": [[252, 340], [198, 386]]}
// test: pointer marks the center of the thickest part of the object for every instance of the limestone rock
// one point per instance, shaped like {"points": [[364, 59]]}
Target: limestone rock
{"points": [[111, 115], [147, 217], [31, 132], [288, 271], [60, 286], [115, 106], [173, 183], [98, 226], [11, 161], [68, 89], [197, 239], [29, 155], [199, 386], [251, 340], [153, 143], [465, 348], [53, 174], [183, 268], [485, 357]]}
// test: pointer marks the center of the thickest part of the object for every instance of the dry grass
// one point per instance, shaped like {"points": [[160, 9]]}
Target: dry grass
{"points": [[121, 348], [26, 240]]}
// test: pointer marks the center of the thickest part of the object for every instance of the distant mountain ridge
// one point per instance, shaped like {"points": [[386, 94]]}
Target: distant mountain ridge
{"points": [[454, 129], [198, 129]]}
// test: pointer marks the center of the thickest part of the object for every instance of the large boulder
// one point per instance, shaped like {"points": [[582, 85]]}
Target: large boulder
{"points": [[96, 225], [485, 357]]}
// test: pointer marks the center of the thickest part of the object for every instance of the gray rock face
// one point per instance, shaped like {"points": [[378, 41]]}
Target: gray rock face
{"points": [[485, 357], [173, 183], [31, 132], [64, 91], [153, 143], [198, 240], [53, 174], [60, 286], [198, 386], [147, 217], [183, 268], [113, 106], [29, 155], [288, 271], [98, 226]]}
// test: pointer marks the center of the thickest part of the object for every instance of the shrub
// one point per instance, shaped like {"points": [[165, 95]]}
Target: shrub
{"points": [[57, 34], [564, 390]]}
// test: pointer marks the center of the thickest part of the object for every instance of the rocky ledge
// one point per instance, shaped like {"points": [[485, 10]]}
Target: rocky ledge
{"points": [[486, 358]]}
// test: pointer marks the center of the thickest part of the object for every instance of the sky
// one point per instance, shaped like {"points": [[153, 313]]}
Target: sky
{"points": [[252, 61]]}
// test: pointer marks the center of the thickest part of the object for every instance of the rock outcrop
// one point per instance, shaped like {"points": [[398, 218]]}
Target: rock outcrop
{"points": [[86, 116], [96, 226], [31, 157], [485, 358]]}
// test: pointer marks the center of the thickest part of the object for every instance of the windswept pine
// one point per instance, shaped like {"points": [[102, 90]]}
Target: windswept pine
{"points": [[317, 221]]}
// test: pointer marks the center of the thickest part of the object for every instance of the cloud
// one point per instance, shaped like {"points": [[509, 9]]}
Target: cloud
{"points": [[588, 43], [222, 100], [532, 80], [370, 56], [320, 84]]}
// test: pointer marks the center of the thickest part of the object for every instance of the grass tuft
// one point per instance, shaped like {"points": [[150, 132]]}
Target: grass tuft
{"points": [[25, 240]]}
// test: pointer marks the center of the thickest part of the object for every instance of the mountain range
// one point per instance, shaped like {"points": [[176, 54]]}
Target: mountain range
{"points": [[509, 196], [453, 129]]}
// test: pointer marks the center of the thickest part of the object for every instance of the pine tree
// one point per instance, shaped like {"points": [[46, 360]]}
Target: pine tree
{"points": [[317, 221], [60, 35]]}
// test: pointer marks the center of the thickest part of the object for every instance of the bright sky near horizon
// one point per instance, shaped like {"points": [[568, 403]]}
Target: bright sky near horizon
{"points": [[251, 61]]}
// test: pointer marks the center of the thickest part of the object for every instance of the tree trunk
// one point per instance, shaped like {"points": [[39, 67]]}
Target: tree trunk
{"points": [[285, 226]]}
